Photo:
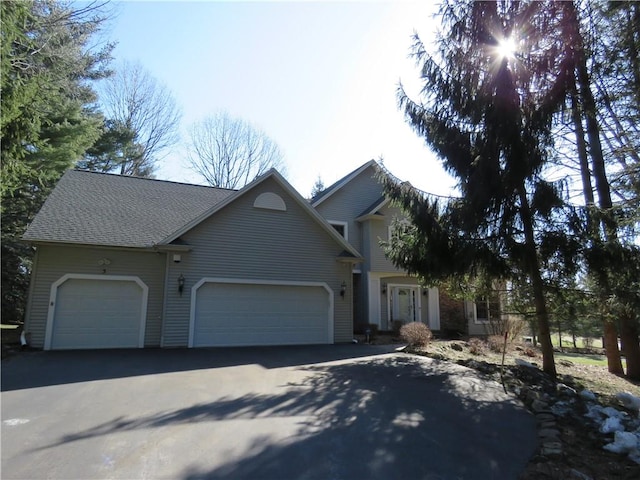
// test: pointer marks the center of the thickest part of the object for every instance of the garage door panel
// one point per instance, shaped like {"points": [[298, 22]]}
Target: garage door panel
{"points": [[252, 314], [97, 314], [70, 340]]}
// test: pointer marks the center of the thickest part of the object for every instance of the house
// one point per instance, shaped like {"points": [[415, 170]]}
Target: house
{"points": [[130, 262], [356, 206], [126, 262]]}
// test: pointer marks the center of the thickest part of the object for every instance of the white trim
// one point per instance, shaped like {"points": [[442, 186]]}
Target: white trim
{"points": [[433, 307], [418, 289], [345, 225], [476, 320], [53, 296], [165, 298], [241, 281], [373, 294]]}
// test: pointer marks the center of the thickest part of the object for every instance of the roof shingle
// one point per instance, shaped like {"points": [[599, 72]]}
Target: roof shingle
{"points": [[102, 209]]}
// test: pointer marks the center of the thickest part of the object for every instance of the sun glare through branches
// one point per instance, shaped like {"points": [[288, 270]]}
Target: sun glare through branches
{"points": [[507, 48]]}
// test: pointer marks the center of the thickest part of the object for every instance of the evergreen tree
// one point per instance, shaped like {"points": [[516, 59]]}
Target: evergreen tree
{"points": [[116, 150], [610, 253], [318, 187], [47, 118], [489, 114]]}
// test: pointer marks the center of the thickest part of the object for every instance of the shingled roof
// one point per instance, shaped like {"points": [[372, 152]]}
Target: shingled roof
{"points": [[102, 209]]}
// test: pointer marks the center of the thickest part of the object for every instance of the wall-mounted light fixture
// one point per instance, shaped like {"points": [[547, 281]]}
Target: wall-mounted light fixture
{"points": [[180, 284], [384, 288], [424, 292], [343, 288]]}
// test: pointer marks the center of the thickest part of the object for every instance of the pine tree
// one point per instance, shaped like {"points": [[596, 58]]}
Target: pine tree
{"points": [[488, 113], [47, 118]]}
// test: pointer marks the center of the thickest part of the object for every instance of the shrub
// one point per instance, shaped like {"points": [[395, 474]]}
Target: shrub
{"points": [[496, 343], [477, 346], [416, 334]]}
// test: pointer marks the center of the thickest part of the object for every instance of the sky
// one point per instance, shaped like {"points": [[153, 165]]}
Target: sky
{"points": [[319, 78]]}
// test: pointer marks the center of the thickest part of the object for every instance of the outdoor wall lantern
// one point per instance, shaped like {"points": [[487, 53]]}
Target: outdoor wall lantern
{"points": [[180, 284], [384, 288], [424, 292], [343, 289]]}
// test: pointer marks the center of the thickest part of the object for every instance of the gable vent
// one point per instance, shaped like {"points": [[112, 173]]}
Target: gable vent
{"points": [[270, 201]]}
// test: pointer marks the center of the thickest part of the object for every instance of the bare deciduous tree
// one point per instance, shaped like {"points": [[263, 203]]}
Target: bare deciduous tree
{"points": [[229, 152], [134, 99]]}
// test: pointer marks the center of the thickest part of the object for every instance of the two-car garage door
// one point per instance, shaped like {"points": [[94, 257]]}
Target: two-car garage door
{"points": [[235, 314]]}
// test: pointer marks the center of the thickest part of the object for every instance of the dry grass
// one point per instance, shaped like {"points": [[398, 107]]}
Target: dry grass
{"points": [[593, 377]]}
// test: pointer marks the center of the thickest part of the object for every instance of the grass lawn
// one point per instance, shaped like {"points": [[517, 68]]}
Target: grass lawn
{"points": [[567, 341]]}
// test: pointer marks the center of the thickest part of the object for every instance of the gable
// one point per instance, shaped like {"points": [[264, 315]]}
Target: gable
{"points": [[248, 240], [338, 185], [267, 204], [354, 197]]}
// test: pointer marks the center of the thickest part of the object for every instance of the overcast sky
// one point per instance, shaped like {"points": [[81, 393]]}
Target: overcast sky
{"points": [[320, 78]]}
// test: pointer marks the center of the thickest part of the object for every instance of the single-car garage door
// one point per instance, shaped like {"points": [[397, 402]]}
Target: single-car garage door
{"points": [[235, 314], [98, 313]]}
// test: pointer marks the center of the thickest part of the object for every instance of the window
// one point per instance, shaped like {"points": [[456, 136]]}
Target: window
{"points": [[270, 201], [487, 308], [341, 228]]}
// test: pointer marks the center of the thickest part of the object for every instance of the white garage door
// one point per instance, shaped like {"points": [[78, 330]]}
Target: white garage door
{"points": [[98, 313], [232, 314]]}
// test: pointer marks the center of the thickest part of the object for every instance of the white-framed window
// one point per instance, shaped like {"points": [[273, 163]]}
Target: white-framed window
{"points": [[487, 308], [341, 227]]}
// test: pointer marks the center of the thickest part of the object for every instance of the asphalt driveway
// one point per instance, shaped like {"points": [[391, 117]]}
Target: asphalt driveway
{"points": [[322, 412]]}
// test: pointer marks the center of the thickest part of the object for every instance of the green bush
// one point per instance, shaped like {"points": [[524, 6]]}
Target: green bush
{"points": [[416, 334]]}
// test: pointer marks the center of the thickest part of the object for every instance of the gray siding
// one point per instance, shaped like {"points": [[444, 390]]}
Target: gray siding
{"points": [[380, 232], [54, 262], [349, 202], [244, 242]]}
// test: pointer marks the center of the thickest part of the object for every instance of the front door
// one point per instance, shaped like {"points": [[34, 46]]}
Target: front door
{"points": [[404, 304]]}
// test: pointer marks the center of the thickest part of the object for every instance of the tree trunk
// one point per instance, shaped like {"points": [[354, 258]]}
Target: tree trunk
{"points": [[581, 145], [599, 173], [610, 340], [559, 323], [532, 264], [630, 346]]}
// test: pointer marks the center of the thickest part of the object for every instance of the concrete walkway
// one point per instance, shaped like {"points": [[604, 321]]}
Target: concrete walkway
{"points": [[322, 412]]}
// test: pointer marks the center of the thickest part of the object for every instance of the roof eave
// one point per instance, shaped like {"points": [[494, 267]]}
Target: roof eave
{"points": [[371, 216]]}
